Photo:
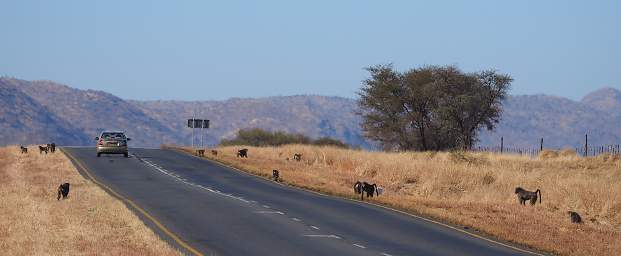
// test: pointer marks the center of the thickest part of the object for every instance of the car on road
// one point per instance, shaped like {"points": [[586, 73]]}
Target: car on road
{"points": [[112, 142]]}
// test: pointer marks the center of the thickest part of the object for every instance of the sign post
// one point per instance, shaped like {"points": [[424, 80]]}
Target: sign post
{"points": [[201, 124]]}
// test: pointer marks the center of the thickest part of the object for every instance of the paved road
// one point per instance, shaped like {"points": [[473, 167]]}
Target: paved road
{"points": [[219, 211]]}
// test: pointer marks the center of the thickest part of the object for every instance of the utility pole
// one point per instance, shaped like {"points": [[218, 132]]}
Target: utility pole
{"points": [[202, 126]]}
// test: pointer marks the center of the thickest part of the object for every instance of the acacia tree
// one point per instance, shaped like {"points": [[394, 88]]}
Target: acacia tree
{"points": [[429, 108]]}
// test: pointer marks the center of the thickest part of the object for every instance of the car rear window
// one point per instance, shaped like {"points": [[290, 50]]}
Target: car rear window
{"points": [[113, 136]]}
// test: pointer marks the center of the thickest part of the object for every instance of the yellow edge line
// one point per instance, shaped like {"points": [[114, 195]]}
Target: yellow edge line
{"points": [[135, 206], [378, 205]]}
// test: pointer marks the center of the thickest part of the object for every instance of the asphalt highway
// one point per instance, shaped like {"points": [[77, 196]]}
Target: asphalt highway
{"points": [[205, 208]]}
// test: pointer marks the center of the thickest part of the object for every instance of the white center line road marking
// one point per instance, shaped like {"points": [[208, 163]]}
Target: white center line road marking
{"points": [[315, 227], [296, 219], [177, 177], [326, 236], [266, 206], [361, 246], [275, 212], [386, 254]]}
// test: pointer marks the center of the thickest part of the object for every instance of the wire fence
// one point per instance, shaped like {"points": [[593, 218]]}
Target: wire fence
{"points": [[532, 152], [585, 151], [598, 150]]}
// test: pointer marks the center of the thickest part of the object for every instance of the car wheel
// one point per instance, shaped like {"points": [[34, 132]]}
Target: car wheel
{"points": [[126, 154], [98, 154]]}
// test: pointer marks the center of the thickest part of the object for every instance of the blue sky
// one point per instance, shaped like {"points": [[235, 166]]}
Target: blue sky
{"points": [[216, 50]]}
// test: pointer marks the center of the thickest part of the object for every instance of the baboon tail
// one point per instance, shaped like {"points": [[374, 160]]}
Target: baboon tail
{"points": [[539, 191]]}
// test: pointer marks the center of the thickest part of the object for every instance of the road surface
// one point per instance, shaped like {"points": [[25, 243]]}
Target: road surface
{"points": [[205, 208]]}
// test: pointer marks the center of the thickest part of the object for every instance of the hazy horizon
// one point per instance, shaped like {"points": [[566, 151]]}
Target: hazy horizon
{"points": [[196, 50]]}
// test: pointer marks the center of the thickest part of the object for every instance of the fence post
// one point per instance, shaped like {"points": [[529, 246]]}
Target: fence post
{"points": [[502, 144], [586, 145], [541, 145]]}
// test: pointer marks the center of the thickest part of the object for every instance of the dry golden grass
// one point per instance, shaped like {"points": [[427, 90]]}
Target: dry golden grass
{"points": [[88, 222], [470, 189]]}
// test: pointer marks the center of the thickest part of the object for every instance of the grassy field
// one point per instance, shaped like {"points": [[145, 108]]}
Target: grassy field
{"points": [[468, 189], [88, 222]]}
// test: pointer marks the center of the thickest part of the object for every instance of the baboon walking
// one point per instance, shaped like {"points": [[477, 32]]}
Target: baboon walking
{"points": [[275, 175], [63, 190], [214, 152], [24, 149], [364, 187], [297, 157], [242, 153], [525, 195], [575, 217], [51, 147], [42, 149]]}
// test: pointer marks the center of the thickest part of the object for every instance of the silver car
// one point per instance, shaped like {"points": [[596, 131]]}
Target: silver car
{"points": [[112, 142]]}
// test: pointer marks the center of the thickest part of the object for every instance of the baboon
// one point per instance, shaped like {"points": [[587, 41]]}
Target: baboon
{"points": [[214, 152], [200, 152], [51, 147], [362, 187], [242, 153], [24, 149], [63, 190], [297, 157], [525, 195], [42, 149], [275, 175], [575, 217]]}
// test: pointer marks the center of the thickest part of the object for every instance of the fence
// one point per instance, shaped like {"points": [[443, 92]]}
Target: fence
{"points": [[598, 150], [532, 152], [585, 151]]}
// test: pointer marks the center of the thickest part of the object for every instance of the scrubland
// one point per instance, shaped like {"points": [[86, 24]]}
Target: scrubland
{"points": [[474, 190], [88, 222]]}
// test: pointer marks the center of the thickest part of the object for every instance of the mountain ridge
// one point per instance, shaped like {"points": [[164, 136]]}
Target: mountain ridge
{"points": [[560, 121]]}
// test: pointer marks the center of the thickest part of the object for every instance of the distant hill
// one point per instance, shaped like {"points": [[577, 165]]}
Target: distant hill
{"points": [[24, 121], [314, 116], [73, 117], [93, 111], [560, 121]]}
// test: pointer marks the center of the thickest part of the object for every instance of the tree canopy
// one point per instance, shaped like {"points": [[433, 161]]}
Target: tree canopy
{"points": [[431, 107]]}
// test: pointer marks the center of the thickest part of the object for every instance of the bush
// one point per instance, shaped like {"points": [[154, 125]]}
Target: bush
{"points": [[261, 138]]}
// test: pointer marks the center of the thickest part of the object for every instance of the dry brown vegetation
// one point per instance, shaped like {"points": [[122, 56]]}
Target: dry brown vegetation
{"points": [[470, 189], [88, 222]]}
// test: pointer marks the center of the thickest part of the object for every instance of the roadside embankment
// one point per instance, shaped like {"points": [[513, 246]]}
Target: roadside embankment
{"points": [[88, 222]]}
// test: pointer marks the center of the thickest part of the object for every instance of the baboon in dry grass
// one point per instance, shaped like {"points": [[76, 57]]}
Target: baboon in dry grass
{"points": [[525, 195], [42, 149], [275, 175], [24, 149], [297, 157], [214, 152], [575, 217], [242, 153], [63, 190], [51, 147], [200, 152], [364, 187]]}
